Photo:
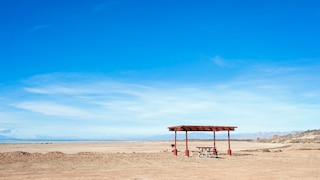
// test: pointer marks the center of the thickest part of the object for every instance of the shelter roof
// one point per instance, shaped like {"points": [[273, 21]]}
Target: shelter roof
{"points": [[201, 128]]}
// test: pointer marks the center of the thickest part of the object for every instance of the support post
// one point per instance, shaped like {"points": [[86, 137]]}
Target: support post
{"points": [[175, 151], [214, 151], [229, 150], [187, 150]]}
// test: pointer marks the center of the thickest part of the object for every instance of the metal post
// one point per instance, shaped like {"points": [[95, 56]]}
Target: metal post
{"points": [[187, 150], [175, 151], [214, 139], [229, 150], [214, 143]]}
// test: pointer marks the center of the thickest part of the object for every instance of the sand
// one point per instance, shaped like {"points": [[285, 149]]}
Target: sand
{"points": [[154, 160]]}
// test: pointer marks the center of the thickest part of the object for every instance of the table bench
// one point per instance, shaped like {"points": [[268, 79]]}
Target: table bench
{"points": [[207, 151]]}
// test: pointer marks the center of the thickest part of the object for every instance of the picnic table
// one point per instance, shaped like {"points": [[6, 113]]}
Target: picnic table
{"points": [[207, 151]]}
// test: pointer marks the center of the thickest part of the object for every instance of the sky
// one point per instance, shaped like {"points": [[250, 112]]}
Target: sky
{"points": [[131, 68]]}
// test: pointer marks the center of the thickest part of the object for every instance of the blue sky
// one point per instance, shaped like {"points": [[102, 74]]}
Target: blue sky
{"points": [[123, 68]]}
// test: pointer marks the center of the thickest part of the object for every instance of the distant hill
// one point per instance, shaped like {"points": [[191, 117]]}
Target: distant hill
{"points": [[6, 138], [310, 136], [274, 137], [219, 135]]}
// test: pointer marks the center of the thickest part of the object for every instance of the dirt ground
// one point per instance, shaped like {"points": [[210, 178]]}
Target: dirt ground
{"points": [[154, 160]]}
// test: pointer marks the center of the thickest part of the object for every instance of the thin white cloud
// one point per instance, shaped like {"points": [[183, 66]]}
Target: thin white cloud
{"points": [[36, 90], [218, 61], [36, 28], [51, 109], [5, 130], [105, 5], [279, 70], [57, 89], [252, 101]]}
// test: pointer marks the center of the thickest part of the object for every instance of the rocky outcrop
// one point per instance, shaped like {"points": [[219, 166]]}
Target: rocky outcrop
{"points": [[310, 136]]}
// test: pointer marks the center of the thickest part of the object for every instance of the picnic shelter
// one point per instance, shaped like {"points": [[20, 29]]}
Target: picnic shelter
{"points": [[213, 129]]}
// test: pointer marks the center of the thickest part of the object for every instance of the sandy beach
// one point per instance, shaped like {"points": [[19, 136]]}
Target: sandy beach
{"points": [[154, 160]]}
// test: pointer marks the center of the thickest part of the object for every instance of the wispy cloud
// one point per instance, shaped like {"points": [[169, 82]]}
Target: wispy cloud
{"points": [[279, 70], [253, 100], [102, 6], [5, 130], [36, 28], [218, 61], [51, 109], [58, 89]]}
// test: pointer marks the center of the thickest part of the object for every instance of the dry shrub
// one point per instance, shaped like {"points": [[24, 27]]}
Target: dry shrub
{"points": [[55, 153], [265, 150], [15, 154], [84, 153]]}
